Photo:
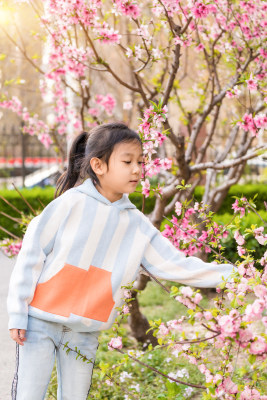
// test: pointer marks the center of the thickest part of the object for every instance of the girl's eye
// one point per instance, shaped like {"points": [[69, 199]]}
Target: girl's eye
{"points": [[127, 162], [141, 162]]}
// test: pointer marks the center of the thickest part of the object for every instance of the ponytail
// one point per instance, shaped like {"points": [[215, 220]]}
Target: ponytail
{"points": [[76, 155]]}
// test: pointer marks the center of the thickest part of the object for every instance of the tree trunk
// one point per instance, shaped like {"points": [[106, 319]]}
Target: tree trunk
{"points": [[137, 321]]}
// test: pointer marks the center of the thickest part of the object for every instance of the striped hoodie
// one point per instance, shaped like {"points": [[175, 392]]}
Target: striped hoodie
{"points": [[79, 252]]}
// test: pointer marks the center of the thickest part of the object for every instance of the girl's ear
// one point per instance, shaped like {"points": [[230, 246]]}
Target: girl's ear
{"points": [[98, 166]]}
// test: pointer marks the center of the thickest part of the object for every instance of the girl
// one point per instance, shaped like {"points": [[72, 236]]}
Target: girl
{"points": [[76, 256]]}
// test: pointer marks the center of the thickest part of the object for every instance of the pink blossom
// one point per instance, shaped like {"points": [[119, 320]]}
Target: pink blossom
{"points": [[127, 294], [125, 309], [183, 40], [254, 311], [93, 111], [166, 163], [264, 321], [239, 238], [192, 360], [107, 34], [200, 10], [229, 386], [235, 92], [241, 251], [197, 298], [241, 269], [261, 239], [174, 325], [229, 95], [127, 105], [203, 237], [115, 343], [199, 47], [11, 248], [236, 207], [252, 83], [260, 120], [263, 53], [128, 8], [163, 330], [186, 291], [145, 187], [178, 208], [260, 291], [250, 394], [242, 288], [107, 102], [245, 335], [189, 212], [45, 139], [202, 368], [229, 326], [263, 260], [208, 315], [258, 305], [248, 124], [259, 346]]}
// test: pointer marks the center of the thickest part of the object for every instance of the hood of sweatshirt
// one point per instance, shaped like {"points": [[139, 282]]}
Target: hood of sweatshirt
{"points": [[88, 188]]}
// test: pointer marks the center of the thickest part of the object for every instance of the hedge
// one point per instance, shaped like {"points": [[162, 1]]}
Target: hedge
{"points": [[248, 191], [38, 196]]}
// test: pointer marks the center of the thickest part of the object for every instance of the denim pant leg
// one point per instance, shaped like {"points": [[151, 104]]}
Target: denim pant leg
{"points": [[35, 361], [74, 375]]}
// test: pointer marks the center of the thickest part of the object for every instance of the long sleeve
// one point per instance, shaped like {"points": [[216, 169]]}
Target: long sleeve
{"points": [[164, 261], [37, 244]]}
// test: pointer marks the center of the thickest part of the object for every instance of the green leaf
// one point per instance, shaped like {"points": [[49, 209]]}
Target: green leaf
{"points": [[252, 358]]}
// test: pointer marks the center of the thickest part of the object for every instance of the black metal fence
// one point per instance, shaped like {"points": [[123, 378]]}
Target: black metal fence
{"points": [[21, 154]]}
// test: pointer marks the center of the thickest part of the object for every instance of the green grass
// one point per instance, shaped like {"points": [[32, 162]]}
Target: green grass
{"points": [[155, 303]]}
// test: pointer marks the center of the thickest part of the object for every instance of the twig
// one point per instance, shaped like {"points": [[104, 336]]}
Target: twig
{"points": [[41, 202], [23, 198], [143, 203], [9, 233], [156, 280], [192, 341], [161, 373], [12, 218], [11, 205], [252, 208]]}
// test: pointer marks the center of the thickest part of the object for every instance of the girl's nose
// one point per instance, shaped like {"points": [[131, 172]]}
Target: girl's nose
{"points": [[136, 169]]}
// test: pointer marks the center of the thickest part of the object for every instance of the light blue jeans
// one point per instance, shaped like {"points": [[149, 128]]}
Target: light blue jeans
{"points": [[35, 360]]}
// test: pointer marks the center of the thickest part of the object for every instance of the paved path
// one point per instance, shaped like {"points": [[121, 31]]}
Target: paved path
{"points": [[7, 346]]}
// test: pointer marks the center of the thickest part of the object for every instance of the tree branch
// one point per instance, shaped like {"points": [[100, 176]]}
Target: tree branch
{"points": [[228, 163], [203, 148], [216, 99], [175, 66], [103, 62]]}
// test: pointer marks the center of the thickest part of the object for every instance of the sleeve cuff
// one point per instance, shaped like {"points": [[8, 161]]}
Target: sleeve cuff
{"points": [[18, 321]]}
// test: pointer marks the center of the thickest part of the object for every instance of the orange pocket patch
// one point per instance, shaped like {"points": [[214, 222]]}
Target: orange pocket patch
{"points": [[76, 291]]}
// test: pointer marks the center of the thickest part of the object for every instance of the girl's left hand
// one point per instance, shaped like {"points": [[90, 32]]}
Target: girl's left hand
{"points": [[18, 335]]}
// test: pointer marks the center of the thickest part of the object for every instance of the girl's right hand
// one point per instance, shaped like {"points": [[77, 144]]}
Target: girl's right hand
{"points": [[18, 335]]}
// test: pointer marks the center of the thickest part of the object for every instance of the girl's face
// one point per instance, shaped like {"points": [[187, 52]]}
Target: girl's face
{"points": [[123, 171]]}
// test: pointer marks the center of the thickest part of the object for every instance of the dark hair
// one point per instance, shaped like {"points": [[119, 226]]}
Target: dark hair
{"points": [[99, 143], [76, 155]]}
